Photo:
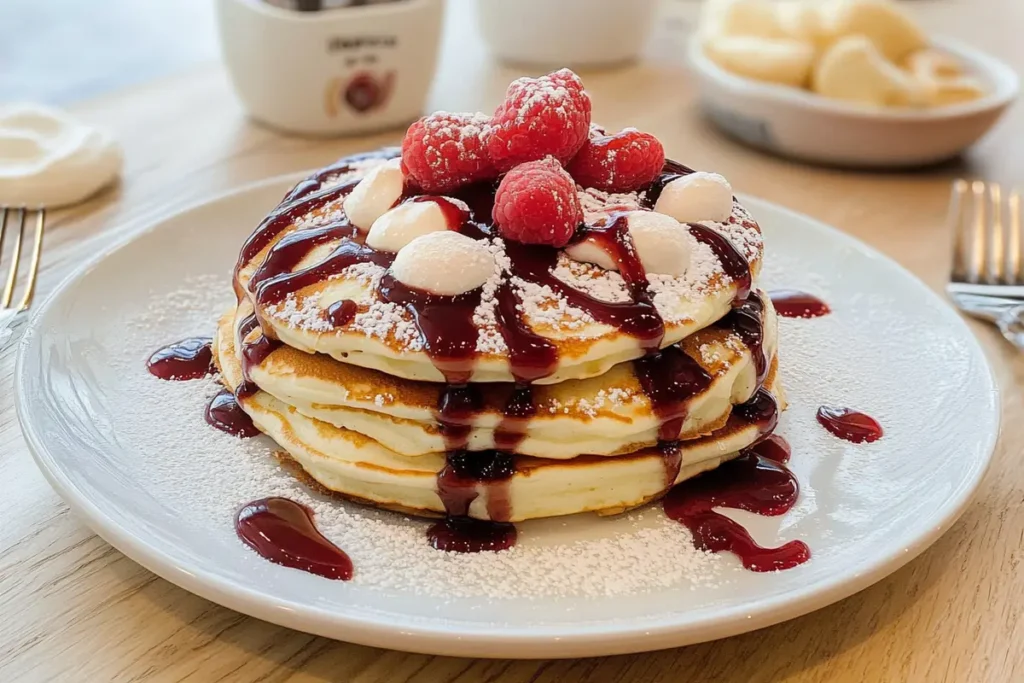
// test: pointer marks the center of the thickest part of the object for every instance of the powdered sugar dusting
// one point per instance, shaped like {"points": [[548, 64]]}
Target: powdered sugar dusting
{"points": [[389, 321], [305, 314], [597, 204]]}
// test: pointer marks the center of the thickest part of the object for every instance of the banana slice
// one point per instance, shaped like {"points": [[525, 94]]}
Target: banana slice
{"points": [[741, 18], [801, 20], [932, 63], [956, 90], [776, 60], [885, 24], [854, 70]]}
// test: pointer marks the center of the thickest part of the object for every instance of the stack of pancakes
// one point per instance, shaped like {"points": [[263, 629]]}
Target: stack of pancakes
{"points": [[435, 405]]}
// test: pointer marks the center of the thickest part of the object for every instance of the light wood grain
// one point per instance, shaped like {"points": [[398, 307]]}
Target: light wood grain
{"points": [[74, 609]]}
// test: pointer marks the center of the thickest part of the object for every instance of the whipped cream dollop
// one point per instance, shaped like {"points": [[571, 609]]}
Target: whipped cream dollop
{"points": [[660, 241], [404, 223], [445, 263], [696, 197], [47, 158], [375, 194]]}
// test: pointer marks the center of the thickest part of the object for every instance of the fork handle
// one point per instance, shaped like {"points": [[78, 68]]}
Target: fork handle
{"points": [[988, 308]]}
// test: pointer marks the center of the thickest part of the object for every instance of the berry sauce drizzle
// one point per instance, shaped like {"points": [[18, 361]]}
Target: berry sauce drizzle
{"points": [[187, 359], [458, 485], [756, 482], [468, 535], [638, 318], [253, 353], [445, 324], [283, 531], [466, 471], [746, 320], [670, 378], [790, 303], [341, 313], [761, 410], [734, 263], [224, 413], [671, 459], [305, 197], [850, 425]]}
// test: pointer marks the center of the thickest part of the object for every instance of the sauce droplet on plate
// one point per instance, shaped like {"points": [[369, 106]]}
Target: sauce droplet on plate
{"points": [[187, 359], [283, 531], [790, 303], [848, 424]]}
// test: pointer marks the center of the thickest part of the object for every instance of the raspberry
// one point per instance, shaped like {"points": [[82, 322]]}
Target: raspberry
{"points": [[623, 162], [443, 151], [542, 116], [536, 203]]}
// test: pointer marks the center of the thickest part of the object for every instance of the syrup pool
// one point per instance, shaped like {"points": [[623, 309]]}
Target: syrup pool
{"points": [[756, 482]]}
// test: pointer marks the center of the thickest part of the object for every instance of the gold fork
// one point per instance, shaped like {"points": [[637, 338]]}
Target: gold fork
{"points": [[12, 313]]}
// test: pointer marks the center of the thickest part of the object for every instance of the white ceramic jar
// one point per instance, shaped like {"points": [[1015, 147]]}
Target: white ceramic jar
{"points": [[573, 33], [333, 72]]}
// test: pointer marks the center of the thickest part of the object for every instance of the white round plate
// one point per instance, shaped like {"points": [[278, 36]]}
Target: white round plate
{"points": [[891, 348]]}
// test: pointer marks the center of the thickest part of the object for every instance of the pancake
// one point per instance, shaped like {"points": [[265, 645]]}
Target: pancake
{"points": [[305, 258], [358, 467], [607, 415]]}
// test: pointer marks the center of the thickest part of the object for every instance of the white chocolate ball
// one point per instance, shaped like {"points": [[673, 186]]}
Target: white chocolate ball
{"points": [[375, 194], [404, 223], [696, 197], [444, 263], [661, 242]]}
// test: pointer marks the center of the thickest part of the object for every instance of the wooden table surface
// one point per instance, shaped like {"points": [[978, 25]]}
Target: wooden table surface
{"points": [[75, 609]]}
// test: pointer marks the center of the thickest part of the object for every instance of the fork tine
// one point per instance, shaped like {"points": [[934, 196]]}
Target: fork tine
{"points": [[1014, 246], [33, 268], [996, 238], [976, 233], [3, 232], [12, 276], [958, 224]]}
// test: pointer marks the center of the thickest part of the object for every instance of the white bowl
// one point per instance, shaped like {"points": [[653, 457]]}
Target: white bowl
{"points": [[573, 33], [337, 71], [800, 124]]}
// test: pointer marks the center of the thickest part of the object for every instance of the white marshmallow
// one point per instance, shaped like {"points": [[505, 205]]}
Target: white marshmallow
{"points": [[662, 244], [375, 194], [444, 263], [404, 223], [589, 251], [660, 241], [697, 197]]}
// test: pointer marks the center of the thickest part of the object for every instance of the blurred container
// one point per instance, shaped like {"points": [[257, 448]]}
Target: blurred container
{"points": [[574, 33], [334, 72]]}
